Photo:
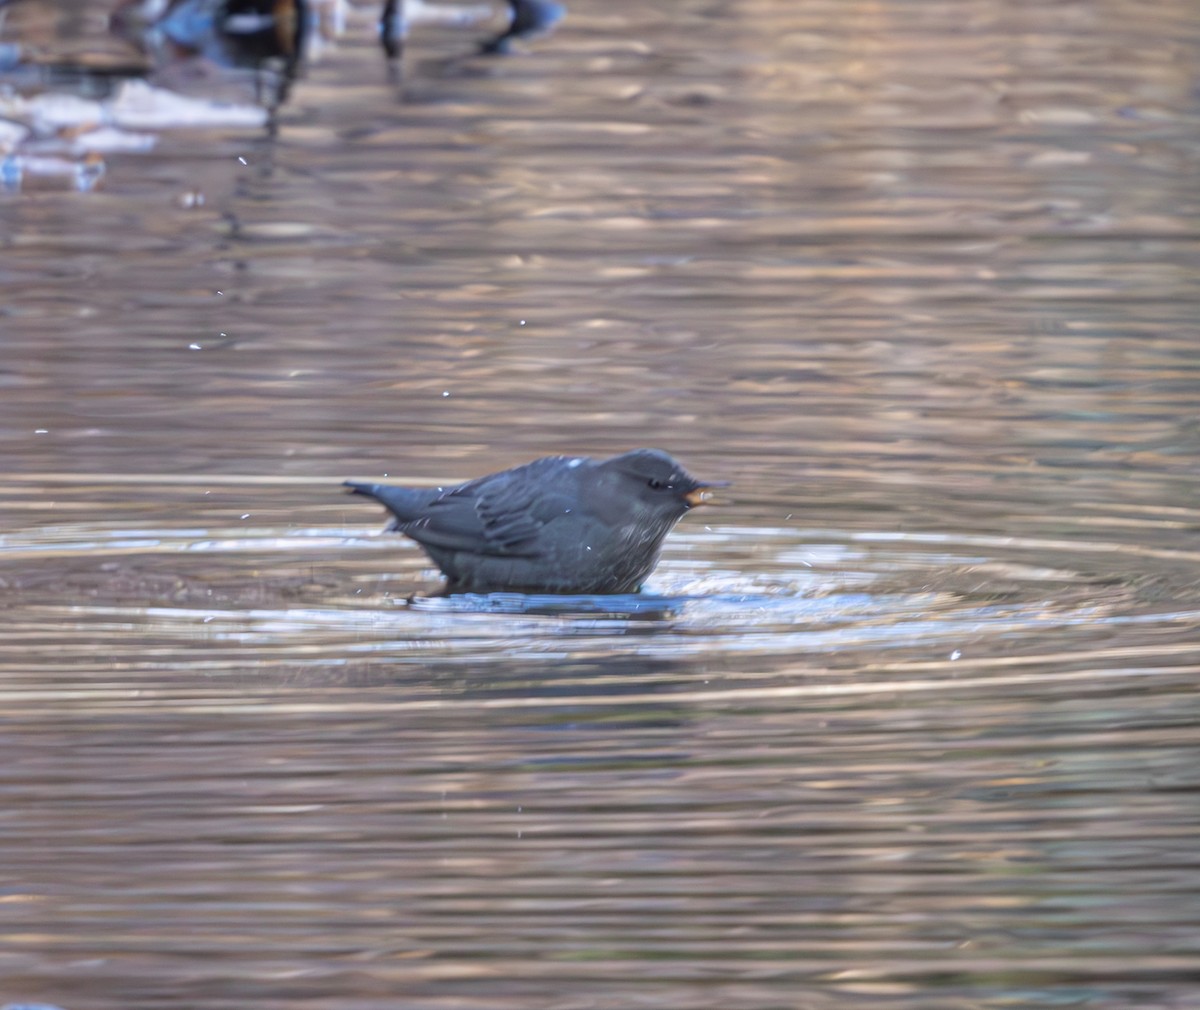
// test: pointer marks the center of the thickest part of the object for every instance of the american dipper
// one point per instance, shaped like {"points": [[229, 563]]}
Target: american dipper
{"points": [[560, 524]]}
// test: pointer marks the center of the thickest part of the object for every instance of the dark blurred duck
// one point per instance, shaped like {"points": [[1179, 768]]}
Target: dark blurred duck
{"points": [[560, 524], [242, 50], [530, 18], [236, 33], [527, 19]]}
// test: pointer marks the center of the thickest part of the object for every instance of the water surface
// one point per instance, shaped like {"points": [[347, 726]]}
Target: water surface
{"points": [[909, 719]]}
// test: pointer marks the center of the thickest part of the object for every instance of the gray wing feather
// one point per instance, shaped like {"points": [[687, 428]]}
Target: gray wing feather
{"points": [[494, 515]]}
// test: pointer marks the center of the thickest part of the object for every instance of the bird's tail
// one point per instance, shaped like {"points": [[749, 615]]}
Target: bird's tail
{"points": [[405, 503]]}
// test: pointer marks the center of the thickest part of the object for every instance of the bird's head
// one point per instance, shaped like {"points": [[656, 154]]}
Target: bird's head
{"points": [[657, 482]]}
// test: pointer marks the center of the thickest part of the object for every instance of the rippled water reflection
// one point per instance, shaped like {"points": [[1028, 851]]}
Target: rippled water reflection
{"points": [[910, 718]]}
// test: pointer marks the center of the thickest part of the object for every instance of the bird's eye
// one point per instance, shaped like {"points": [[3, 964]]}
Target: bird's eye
{"points": [[657, 484]]}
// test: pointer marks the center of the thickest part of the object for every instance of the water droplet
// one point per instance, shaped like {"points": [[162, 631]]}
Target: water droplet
{"points": [[241, 160], [246, 515], [194, 347], [956, 654]]}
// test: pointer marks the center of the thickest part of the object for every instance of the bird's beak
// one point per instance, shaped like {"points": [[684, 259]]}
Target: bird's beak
{"points": [[702, 494]]}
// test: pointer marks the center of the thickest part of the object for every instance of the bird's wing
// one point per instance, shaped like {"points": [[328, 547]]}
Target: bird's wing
{"points": [[513, 517], [491, 515]]}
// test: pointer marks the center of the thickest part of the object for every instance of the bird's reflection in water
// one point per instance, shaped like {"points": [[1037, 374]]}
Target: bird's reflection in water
{"points": [[623, 607], [550, 691]]}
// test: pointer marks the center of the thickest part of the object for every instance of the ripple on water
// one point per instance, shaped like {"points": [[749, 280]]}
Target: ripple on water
{"points": [[327, 600]]}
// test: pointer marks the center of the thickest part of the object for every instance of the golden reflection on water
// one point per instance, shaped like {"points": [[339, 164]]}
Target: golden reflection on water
{"points": [[910, 715]]}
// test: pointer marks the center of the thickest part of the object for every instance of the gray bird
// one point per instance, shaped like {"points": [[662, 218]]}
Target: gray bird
{"points": [[560, 524]]}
